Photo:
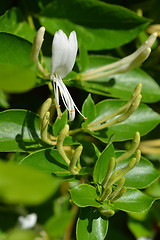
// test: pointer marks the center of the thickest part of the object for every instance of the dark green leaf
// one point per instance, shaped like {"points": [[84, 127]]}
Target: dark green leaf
{"points": [[13, 22], [25, 185], [84, 195], [91, 225], [113, 27], [19, 131]]}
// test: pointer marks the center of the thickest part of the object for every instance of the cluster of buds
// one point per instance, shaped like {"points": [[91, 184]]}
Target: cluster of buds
{"points": [[119, 115], [44, 119], [73, 167], [113, 182]]}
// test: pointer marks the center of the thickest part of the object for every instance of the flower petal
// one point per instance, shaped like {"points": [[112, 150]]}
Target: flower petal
{"points": [[64, 53]]}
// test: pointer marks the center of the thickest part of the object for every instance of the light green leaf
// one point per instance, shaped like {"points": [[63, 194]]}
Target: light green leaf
{"points": [[133, 201], [25, 185], [113, 27], [15, 65], [84, 195], [56, 225], [91, 225], [88, 109], [60, 123], [102, 163]]}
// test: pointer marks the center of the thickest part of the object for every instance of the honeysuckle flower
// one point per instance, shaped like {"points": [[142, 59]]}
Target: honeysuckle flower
{"points": [[28, 221], [64, 51], [125, 64]]}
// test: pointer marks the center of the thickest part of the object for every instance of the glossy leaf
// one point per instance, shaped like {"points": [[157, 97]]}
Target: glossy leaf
{"points": [[48, 161], [80, 16], [60, 123], [25, 185], [141, 176], [102, 163], [13, 22], [143, 120], [119, 85], [84, 195], [19, 131], [88, 110], [91, 225], [133, 201], [15, 65]]}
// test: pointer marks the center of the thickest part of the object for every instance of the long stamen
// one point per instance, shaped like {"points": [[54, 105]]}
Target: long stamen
{"points": [[66, 97]]}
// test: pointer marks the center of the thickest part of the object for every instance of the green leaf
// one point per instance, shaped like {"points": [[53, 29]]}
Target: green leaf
{"points": [[15, 65], [60, 123], [84, 195], [143, 120], [56, 225], [24, 185], [113, 27], [119, 85], [3, 99], [83, 57], [48, 161], [141, 176], [88, 110], [102, 163], [91, 225], [13, 22], [133, 201], [19, 131]]}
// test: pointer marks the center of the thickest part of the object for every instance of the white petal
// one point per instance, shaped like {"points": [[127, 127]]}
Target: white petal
{"points": [[28, 221], [64, 53]]}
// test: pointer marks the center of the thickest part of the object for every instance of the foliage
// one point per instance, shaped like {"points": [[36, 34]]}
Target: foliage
{"points": [[80, 177]]}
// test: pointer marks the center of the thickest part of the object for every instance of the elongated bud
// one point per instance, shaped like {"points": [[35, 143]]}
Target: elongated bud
{"points": [[121, 110], [109, 171], [75, 157], [121, 193], [107, 213], [118, 174], [37, 44], [44, 117], [60, 140], [133, 107], [138, 156], [44, 109], [106, 194], [118, 188], [134, 146]]}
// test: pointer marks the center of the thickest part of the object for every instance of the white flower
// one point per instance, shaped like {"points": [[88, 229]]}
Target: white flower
{"points": [[64, 51], [28, 221]]}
